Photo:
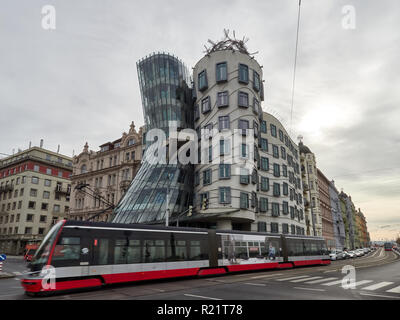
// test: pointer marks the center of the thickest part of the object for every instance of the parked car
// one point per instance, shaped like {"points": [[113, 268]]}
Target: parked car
{"points": [[359, 252], [366, 250], [340, 255], [346, 254], [351, 254]]}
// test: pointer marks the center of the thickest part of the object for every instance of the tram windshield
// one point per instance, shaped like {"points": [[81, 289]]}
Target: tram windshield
{"points": [[43, 252]]}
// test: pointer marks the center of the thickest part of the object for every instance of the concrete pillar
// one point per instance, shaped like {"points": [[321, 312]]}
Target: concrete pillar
{"points": [[224, 224]]}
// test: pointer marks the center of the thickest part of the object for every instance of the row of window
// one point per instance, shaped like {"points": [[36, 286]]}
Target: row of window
{"points": [[262, 227], [224, 197], [223, 101], [221, 75], [28, 230], [36, 168]]}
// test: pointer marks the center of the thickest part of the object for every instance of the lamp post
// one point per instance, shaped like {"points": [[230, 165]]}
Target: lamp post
{"points": [[167, 203]]}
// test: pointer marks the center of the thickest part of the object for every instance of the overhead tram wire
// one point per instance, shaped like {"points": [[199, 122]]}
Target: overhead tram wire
{"points": [[294, 68]]}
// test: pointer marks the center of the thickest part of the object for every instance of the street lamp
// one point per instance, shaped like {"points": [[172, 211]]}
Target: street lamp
{"points": [[167, 203]]}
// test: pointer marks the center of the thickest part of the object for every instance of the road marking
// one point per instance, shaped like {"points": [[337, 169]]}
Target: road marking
{"points": [[321, 280], [361, 282], [292, 278], [378, 295], [394, 290], [311, 289], [378, 285], [306, 279], [265, 276], [255, 284], [330, 271], [17, 273], [203, 297], [332, 283]]}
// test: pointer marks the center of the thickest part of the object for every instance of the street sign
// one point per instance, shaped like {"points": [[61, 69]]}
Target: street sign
{"points": [[3, 257]]}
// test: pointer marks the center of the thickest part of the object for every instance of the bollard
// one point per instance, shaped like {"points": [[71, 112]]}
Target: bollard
{"points": [[1, 266]]}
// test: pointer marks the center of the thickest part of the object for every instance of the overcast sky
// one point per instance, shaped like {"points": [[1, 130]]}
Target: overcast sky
{"points": [[78, 83]]}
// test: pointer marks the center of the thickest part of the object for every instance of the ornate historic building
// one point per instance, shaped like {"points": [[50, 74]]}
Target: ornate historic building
{"points": [[101, 178], [337, 218], [326, 210], [34, 194]]}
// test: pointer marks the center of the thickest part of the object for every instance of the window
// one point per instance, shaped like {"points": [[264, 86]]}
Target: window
{"points": [[263, 126], [203, 85], [243, 73], [264, 164], [277, 171], [255, 127], [224, 147], [244, 176], [284, 170], [244, 151], [275, 151], [275, 209], [68, 248], [274, 227], [33, 193], [285, 207], [56, 208], [48, 171], [206, 105], [244, 200], [283, 153], [197, 178], [280, 135], [29, 217], [263, 204], [223, 122], [285, 189], [45, 206], [47, 183], [31, 205], [28, 230], [243, 99], [285, 228], [46, 195], [36, 168], [224, 171], [292, 212], [264, 184], [276, 189], [35, 180], [196, 112], [273, 130], [262, 226], [222, 99], [256, 81], [221, 72], [43, 219], [206, 176], [256, 106], [264, 144], [244, 125], [224, 195]]}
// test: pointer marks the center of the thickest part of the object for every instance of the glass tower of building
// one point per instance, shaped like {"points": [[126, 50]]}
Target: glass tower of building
{"points": [[166, 92]]}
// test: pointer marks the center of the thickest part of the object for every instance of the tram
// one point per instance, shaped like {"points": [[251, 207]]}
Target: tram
{"points": [[94, 254], [388, 246]]}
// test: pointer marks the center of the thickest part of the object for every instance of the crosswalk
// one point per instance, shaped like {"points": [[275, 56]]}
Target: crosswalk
{"points": [[364, 285]]}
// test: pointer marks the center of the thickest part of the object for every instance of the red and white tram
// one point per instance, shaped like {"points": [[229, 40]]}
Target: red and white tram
{"points": [[93, 254]]}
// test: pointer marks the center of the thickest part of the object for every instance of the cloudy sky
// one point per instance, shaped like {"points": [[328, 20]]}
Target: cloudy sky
{"points": [[78, 83]]}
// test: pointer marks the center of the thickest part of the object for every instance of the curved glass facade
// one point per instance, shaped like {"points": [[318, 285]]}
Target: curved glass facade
{"points": [[166, 96]]}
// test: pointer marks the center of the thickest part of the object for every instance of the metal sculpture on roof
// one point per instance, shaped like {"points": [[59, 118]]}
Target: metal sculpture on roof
{"points": [[228, 43]]}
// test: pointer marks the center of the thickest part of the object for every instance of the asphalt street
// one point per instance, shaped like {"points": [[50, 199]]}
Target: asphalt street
{"points": [[376, 276]]}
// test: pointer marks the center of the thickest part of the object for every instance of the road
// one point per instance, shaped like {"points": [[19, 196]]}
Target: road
{"points": [[377, 276]]}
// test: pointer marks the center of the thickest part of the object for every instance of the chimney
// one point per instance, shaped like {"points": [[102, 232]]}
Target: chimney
{"points": [[58, 149], [41, 143], [30, 144]]}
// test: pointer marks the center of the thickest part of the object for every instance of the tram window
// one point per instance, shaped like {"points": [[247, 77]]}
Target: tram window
{"points": [[153, 251], [102, 251], [134, 252], [307, 248], [176, 250], [195, 250], [120, 251], [67, 248]]}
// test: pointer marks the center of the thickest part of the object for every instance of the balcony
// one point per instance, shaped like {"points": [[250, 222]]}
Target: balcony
{"points": [[124, 184], [6, 188], [62, 190]]}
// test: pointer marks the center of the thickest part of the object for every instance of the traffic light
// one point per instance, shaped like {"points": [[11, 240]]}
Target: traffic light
{"points": [[190, 211]]}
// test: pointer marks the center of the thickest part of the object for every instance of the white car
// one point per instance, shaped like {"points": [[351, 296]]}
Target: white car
{"points": [[333, 256], [366, 250], [359, 253], [351, 254]]}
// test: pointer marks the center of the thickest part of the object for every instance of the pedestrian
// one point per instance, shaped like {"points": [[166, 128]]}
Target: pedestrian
{"points": [[271, 252]]}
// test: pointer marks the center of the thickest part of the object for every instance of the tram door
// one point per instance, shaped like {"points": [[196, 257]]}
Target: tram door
{"points": [[86, 252]]}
